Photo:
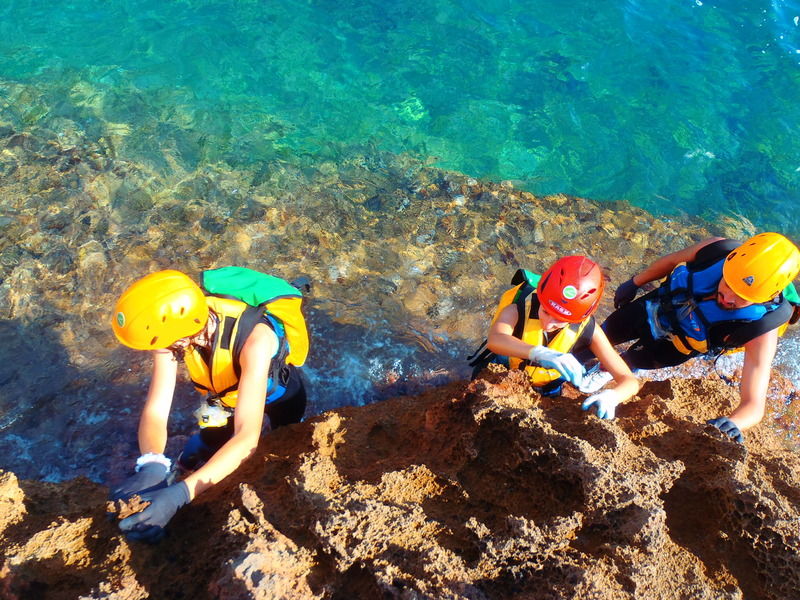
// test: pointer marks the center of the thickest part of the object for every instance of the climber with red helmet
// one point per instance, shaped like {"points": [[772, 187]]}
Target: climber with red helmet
{"points": [[242, 338], [540, 323], [716, 295]]}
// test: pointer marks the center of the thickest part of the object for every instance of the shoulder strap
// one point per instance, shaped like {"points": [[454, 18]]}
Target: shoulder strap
{"points": [[251, 317], [525, 304], [791, 296]]}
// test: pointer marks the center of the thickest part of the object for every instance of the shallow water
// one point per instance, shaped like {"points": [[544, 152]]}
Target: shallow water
{"points": [[357, 145]]}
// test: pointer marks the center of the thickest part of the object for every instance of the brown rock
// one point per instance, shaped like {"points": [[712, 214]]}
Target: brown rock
{"points": [[481, 490]]}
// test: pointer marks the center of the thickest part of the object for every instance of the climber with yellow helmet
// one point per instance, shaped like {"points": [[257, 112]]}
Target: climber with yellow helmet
{"points": [[717, 295], [242, 337]]}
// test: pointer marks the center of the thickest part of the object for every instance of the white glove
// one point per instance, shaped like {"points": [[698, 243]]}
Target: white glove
{"points": [[563, 362], [605, 402]]}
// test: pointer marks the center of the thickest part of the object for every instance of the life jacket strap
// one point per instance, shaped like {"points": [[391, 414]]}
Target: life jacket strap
{"points": [[480, 358]]}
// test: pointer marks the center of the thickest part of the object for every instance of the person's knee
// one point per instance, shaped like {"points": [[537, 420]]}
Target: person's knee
{"points": [[195, 452], [202, 446]]}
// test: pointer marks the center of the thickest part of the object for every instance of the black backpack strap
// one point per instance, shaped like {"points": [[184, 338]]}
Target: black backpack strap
{"points": [[253, 315], [523, 304], [480, 358], [472, 357], [795, 313], [519, 277], [302, 283]]}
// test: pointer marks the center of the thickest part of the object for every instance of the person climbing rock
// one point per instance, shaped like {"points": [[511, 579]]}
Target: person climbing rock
{"points": [[717, 295], [541, 321], [243, 338]]}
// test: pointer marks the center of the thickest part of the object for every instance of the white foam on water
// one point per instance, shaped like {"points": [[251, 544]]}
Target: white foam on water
{"points": [[787, 358]]}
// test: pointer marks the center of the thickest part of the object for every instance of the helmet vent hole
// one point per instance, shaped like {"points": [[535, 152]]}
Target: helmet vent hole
{"points": [[196, 320], [153, 341], [183, 310], [164, 319]]}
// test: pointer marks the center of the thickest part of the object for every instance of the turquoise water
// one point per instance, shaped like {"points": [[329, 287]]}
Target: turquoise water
{"points": [[681, 106]]}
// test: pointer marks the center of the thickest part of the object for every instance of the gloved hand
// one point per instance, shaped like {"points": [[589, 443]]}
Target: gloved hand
{"points": [[625, 293], [151, 476], [148, 525], [728, 427], [604, 401], [563, 362]]}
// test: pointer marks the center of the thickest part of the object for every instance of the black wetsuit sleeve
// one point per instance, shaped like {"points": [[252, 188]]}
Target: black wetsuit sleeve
{"points": [[708, 255]]}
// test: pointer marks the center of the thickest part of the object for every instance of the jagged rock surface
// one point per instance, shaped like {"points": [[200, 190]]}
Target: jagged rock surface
{"points": [[480, 490]]}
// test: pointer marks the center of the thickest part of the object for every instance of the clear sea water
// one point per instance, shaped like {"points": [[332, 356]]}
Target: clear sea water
{"points": [[679, 106]]}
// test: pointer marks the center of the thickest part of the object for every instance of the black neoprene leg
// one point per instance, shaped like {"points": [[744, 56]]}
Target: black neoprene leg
{"points": [[630, 323], [648, 353], [290, 407], [627, 323]]}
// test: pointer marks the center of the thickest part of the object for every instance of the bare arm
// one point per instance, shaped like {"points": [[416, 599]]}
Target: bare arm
{"points": [[248, 415], [664, 265], [153, 422], [501, 339], [627, 384], [758, 355]]}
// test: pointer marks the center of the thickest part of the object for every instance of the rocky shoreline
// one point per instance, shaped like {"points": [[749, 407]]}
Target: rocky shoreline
{"points": [[470, 491]]}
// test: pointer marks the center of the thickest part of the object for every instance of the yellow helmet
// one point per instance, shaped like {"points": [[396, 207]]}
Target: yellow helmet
{"points": [[158, 310], [761, 267]]}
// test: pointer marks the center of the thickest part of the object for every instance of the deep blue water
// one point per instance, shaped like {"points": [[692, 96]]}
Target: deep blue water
{"points": [[678, 106]]}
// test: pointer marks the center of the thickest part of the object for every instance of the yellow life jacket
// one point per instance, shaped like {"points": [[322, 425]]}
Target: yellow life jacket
{"points": [[241, 298], [220, 378], [530, 331]]}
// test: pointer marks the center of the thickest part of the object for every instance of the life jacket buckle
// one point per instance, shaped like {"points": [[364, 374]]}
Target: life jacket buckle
{"points": [[656, 329], [211, 414]]}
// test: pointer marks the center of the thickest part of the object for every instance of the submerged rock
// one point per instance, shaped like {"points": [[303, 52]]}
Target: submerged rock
{"points": [[472, 491]]}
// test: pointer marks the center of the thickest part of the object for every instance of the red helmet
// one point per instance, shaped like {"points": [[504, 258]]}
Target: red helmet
{"points": [[570, 290]]}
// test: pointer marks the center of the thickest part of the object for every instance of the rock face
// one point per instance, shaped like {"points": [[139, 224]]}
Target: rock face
{"points": [[479, 490]]}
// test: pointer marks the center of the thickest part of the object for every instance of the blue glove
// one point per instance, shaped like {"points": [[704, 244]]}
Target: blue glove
{"points": [[728, 427], [148, 525], [625, 293], [563, 362], [605, 402], [151, 476]]}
